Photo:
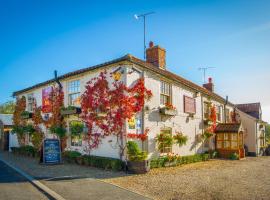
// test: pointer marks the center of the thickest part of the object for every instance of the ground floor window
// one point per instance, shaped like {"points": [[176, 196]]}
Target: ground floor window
{"points": [[229, 140], [166, 148], [76, 140]]}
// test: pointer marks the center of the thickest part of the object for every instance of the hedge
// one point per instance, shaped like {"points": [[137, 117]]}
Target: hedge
{"points": [[25, 151], [93, 161], [164, 162]]}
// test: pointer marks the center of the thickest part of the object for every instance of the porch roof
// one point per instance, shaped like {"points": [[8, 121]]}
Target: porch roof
{"points": [[228, 128]]}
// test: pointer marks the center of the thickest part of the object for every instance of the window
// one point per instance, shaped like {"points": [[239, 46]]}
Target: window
{"points": [[74, 93], [165, 93], [228, 141], [76, 141], [30, 102], [218, 113], [206, 109], [166, 148], [227, 112]]}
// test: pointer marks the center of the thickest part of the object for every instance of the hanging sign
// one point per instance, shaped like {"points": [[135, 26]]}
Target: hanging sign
{"points": [[189, 105], [46, 102], [51, 151]]}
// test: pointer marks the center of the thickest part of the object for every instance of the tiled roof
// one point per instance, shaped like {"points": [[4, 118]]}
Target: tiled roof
{"points": [[139, 62], [6, 119], [249, 107], [228, 128]]}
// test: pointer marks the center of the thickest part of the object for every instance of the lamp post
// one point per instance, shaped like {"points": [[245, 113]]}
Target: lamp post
{"points": [[144, 30]]}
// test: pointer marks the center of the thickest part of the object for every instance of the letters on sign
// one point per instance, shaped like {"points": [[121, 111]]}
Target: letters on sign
{"points": [[46, 102], [51, 151], [189, 105]]}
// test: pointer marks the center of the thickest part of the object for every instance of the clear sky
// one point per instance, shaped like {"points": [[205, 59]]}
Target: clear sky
{"points": [[37, 37]]}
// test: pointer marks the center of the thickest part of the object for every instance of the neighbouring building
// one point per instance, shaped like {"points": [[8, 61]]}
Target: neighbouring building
{"points": [[7, 139], [190, 100], [251, 117]]}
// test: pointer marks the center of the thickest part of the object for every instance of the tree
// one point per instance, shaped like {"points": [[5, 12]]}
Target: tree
{"points": [[105, 108], [7, 108], [267, 133]]}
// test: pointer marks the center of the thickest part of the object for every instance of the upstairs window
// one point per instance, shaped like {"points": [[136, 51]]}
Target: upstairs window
{"points": [[30, 102], [206, 110], [74, 93], [165, 93], [218, 113], [227, 113]]}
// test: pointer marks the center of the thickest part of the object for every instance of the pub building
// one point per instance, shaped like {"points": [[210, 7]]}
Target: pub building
{"points": [[189, 111]]}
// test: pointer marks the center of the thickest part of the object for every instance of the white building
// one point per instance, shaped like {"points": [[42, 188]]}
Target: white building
{"points": [[190, 100]]}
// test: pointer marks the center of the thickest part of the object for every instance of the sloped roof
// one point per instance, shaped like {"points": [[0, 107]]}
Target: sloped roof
{"points": [[139, 62], [249, 107], [228, 128], [6, 119]]}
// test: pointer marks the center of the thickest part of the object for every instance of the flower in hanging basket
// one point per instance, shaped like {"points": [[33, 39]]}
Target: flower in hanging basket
{"points": [[208, 133], [180, 139]]}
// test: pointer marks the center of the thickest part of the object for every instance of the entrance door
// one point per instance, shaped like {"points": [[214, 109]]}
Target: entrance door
{"points": [[6, 140]]}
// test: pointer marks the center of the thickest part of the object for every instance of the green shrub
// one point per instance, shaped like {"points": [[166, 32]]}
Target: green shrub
{"points": [[94, 161], [134, 152], [234, 156], [25, 151], [164, 161], [76, 128], [58, 130]]}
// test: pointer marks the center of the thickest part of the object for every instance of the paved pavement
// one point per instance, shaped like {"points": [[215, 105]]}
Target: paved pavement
{"points": [[14, 186], [72, 181]]}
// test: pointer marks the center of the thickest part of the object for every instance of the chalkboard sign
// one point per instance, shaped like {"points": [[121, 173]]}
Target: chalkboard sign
{"points": [[51, 151]]}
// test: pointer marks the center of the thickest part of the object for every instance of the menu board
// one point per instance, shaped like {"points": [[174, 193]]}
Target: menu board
{"points": [[46, 102], [51, 151], [189, 105]]}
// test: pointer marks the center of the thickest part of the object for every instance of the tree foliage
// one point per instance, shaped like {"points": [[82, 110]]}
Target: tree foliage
{"points": [[7, 108]]}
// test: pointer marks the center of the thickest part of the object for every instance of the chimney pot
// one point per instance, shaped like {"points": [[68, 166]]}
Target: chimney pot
{"points": [[151, 44], [210, 85], [209, 80]]}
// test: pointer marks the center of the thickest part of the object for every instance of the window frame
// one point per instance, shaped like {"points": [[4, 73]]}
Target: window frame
{"points": [[165, 95], [164, 148], [30, 97], [77, 91]]}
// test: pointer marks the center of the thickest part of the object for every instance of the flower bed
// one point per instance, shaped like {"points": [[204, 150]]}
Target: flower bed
{"points": [[180, 160], [93, 161]]}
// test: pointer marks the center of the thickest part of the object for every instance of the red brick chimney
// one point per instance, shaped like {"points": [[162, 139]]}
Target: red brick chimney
{"points": [[210, 85], [156, 55]]}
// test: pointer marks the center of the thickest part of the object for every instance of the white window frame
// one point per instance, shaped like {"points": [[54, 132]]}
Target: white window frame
{"points": [[30, 97], [75, 92], [165, 92]]}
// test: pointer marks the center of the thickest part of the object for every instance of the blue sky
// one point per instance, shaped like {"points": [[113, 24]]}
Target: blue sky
{"points": [[233, 36]]}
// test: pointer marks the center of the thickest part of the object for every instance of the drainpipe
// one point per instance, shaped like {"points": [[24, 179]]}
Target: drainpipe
{"points": [[143, 123], [202, 104], [256, 138]]}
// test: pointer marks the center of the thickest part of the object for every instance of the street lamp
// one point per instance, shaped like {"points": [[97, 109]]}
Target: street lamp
{"points": [[143, 16]]}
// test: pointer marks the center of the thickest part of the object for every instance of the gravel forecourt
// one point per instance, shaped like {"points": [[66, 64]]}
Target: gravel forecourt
{"points": [[216, 179]]}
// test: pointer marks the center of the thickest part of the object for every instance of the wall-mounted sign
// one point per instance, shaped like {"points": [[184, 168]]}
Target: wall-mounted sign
{"points": [[46, 102], [51, 151], [131, 123], [189, 105], [117, 75]]}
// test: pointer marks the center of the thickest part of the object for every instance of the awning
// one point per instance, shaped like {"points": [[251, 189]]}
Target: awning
{"points": [[228, 128]]}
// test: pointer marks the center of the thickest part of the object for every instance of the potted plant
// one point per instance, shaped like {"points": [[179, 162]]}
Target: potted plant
{"points": [[70, 110], [180, 139], [137, 159], [76, 128], [168, 109]]}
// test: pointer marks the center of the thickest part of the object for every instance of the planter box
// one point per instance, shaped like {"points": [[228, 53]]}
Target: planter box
{"points": [[72, 111], [27, 115], [138, 167], [166, 111]]}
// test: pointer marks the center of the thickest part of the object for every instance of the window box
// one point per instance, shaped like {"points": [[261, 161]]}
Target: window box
{"points": [[71, 110], [26, 115], [167, 111]]}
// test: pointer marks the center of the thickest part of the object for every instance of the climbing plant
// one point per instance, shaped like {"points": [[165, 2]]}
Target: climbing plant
{"points": [[106, 107]]}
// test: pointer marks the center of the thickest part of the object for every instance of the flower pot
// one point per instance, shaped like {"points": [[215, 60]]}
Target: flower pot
{"points": [[138, 167]]}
